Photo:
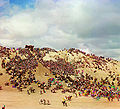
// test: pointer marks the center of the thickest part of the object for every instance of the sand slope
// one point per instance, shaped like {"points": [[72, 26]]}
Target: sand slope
{"points": [[14, 99]]}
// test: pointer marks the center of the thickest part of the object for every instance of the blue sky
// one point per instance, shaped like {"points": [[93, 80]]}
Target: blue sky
{"points": [[90, 25], [22, 3]]}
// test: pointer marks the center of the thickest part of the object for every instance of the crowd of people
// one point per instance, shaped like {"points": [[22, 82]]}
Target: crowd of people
{"points": [[97, 62], [22, 68], [86, 85], [96, 89], [4, 51]]}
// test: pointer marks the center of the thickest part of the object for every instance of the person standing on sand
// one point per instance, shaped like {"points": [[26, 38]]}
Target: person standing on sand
{"points": [[48, 102], [64, 103]]}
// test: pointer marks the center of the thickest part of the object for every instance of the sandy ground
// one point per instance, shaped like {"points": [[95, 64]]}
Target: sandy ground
{"points": [[20, 100]]}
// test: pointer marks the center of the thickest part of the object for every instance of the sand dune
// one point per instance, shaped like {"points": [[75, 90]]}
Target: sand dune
{"points": [[13, 99]]}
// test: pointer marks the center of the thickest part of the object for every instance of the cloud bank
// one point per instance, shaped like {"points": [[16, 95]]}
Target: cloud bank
{"points": [[89, 25]]}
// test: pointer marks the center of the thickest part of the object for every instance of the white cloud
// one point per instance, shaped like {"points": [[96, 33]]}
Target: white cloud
{"points": [[83, 24], [23, 25]]}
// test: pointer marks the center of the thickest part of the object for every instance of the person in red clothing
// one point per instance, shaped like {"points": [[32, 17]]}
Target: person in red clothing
{"points": [[3, 107]]}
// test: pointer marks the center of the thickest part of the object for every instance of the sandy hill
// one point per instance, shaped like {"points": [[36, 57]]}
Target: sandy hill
{"points": [[97, 67], [89, 64], [73, 60]]}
